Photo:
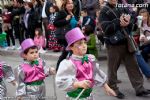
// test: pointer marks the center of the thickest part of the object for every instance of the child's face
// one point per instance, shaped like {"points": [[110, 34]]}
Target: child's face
{"points": [[79, 48], [36, 33], [31, 55], [97, 13], [51, 9], [145, 16], [83, 14]]}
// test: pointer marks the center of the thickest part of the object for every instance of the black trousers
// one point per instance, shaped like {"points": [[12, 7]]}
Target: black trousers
{"points": [[9, 35], [45, 23]]}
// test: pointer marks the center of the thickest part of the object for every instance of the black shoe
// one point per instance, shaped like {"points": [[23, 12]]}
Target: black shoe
{"points": [[143, 93], [120, 95]]}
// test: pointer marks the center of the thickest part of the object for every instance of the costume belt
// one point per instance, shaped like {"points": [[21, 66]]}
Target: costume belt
{"points": [[75, 93], [39, 82]]}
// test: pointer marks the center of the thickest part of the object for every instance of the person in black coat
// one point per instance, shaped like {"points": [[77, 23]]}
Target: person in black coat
{"points": [[17, 12], [91, 6], [30, 20], [112, 20], [66, 19]]}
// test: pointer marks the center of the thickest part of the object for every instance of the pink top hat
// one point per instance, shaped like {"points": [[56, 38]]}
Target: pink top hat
{"points": [[73, 36], [27, 43]]}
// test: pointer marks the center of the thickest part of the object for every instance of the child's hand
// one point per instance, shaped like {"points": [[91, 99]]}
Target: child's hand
{"points": [[82, 84], [109, 91], [19, 98], [79, 22], [142, 37], [52, 71], [68, 17]]}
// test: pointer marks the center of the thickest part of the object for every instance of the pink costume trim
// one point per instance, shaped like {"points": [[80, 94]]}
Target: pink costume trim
{"points": [[1, 70], [33, 73], [85, 71]]}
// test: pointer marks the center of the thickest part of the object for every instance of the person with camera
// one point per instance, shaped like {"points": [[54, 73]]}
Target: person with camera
{"points": [[116, 22]]}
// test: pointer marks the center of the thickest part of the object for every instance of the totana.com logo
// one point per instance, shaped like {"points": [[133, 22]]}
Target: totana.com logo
{"points": [[133, 5]]}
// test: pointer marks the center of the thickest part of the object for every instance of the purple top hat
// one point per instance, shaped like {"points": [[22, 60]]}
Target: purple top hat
{"points": [[73, 36], [27, 43]]}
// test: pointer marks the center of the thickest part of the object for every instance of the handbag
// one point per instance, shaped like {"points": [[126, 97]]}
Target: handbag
{"points": [[51, 27], [132, 47], [118, 37], [115, 39], [131, 44]]}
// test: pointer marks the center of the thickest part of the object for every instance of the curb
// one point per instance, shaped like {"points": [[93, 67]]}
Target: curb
{"points": [[15, 53], [49, 55]]}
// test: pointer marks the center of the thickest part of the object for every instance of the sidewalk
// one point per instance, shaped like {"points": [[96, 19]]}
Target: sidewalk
{"points": [[49, 54]]}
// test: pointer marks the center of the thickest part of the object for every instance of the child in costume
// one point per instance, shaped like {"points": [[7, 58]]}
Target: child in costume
{"points": [[6, 72], [31, 73], [80, 71]]}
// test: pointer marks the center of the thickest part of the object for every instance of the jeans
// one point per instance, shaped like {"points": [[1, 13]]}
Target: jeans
{"points": [[145, 52], [145, 68]]}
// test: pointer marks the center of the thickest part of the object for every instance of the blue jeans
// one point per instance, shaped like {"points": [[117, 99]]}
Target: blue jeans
{"points": [[145, 68], [145, 52]]}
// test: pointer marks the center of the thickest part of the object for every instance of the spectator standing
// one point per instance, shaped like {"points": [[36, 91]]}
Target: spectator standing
{"points": [[37, 5], [40, 40], [85, 19], [145, 30], [52, 40], [65, 21], [91, 6], [30, 20], [7, 27], [112, 21], [45, 14], [88, 31], [17, 15]]}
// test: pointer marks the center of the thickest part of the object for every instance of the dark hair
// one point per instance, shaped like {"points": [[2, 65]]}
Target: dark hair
{"points": [[27, 50], [84, 9], [63, 56], [20, 1], [40, 31], [143, 11], [39, 3], [30, 4], [6, 6], [88, 30], [56, 8]]}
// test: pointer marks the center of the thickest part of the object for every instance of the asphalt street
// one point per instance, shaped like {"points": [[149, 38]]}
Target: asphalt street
{"points": [[98, 92]]}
